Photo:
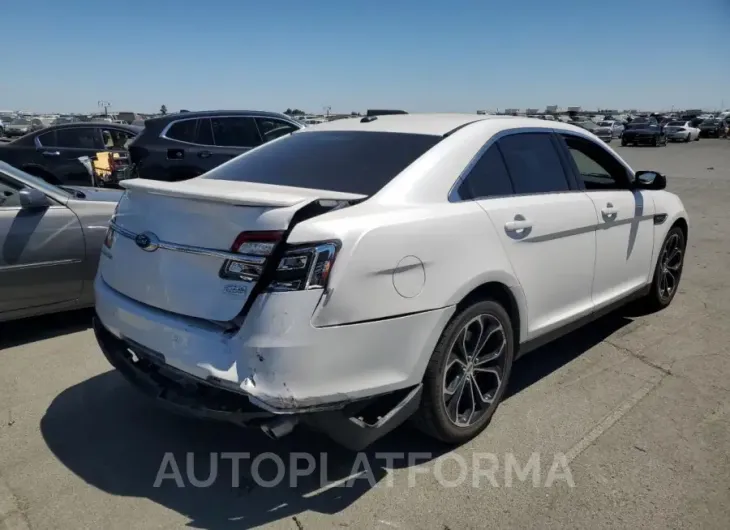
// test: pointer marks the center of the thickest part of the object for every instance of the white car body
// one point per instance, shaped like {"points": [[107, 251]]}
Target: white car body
{"points": [[684, 132], [609, 129], [406, 257]]}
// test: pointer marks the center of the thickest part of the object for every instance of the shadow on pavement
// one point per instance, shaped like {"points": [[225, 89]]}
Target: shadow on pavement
{"points": [[29, 330], [115, 439]]}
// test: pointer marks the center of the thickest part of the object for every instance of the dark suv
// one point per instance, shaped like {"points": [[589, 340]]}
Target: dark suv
{"points": [[186, 145]]}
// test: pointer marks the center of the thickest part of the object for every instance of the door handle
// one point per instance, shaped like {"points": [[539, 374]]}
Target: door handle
{"points": [[517, 224], [609, 210], [51, 153], [205, 154]]}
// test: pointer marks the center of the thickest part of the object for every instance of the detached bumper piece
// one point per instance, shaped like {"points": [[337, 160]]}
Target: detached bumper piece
{"points": [[352, 424]]}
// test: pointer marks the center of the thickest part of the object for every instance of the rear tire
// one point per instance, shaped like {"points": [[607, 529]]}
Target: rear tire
{"points": [[668, 271], [461, 395]]}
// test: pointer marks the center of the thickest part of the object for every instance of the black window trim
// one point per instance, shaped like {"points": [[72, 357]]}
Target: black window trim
{"points": [[163, 134], [41, 145], [453, 195], [573, 168]]}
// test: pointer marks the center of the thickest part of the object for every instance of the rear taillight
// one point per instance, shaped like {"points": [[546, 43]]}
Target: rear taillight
{"points": [[299, 267], [254, 249], [305, 267]]}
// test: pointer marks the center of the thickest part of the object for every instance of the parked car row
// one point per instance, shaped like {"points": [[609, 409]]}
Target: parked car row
{"points": [[657, 131], [173, 147]]}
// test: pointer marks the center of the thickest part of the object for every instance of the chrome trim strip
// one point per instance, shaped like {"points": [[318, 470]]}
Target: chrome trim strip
{"points": [[39, 264], [163, 134], [190, 249]]}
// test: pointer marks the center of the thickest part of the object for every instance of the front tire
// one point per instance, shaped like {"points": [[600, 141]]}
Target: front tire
{"points": [[468, 373], [668, 271]]}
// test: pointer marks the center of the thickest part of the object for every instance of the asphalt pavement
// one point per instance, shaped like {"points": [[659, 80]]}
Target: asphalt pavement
{"points": [[629, 419]]}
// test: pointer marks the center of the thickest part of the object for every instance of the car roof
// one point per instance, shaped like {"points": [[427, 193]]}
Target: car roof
{"points": [[210, 113], [81, 124], [435, 124]]}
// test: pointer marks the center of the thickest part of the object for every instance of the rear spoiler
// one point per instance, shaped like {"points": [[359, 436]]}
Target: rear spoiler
{"points": [[237, 193]]}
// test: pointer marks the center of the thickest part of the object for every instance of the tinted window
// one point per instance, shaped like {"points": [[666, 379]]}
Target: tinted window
{"points": [[9, 193], [47, 139], [347, 161], [205, 133], [116, 138], [271, 129], [488, 177], [235, 132], [77, 137], [533, 163], [598, 168], [183, 131]]}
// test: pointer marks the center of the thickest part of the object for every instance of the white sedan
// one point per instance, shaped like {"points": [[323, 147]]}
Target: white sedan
{"points": [[681, 131], [361, 272]]}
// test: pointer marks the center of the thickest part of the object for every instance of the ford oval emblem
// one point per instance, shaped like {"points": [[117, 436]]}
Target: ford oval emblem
{"points": [[147, 241]]}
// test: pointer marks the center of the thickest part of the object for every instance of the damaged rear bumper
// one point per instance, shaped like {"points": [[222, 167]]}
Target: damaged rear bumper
{"points": [[354, 424]]}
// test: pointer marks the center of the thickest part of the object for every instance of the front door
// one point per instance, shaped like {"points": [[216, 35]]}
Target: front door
{"points": [[42, 252], [547, 229], [625, 235]]}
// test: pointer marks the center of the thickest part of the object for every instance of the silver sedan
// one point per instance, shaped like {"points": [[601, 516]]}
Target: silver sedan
{"points": [[50, 240]]}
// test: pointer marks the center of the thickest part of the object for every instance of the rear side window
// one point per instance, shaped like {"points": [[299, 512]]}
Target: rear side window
{"points": [[235, 132], [47, 139], [533, 163], [183, 131], [487, 178], [77, 138], [345, 161]]}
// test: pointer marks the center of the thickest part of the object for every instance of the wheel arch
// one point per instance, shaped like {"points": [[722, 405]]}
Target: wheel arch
{"points": [[508, 293]]}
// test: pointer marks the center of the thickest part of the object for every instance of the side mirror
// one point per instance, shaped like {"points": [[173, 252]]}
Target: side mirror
{"points": [[650, 180], [31, 198]]}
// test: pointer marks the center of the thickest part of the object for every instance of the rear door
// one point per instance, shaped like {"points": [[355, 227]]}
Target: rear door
{"points": [[546, 226], [41, 252], [625, 236], [61, 149], [232, 135]]}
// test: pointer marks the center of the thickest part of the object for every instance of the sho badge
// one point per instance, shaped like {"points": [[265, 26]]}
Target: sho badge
{"points": [[236, 290]]}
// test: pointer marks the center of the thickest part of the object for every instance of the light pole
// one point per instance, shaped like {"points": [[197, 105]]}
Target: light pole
{"points": [[105, 105]]}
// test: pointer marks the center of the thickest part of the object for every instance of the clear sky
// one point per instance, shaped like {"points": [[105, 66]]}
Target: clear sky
{"points": [[446, 55]]}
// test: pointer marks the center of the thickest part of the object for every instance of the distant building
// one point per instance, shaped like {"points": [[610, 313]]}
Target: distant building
{"points": [[574, 109], [532, 111], [551, 109]]}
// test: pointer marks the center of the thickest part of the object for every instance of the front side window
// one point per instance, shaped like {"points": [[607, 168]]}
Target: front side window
{"points": [[487, 178], [598, 168], [116, 138], [183, 131], [533, 163], [271, 128], [77, 138], [345, 161], [235, 132], [9, 197]]}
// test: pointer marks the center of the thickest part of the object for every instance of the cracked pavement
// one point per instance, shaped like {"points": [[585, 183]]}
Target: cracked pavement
{"points": [[639, 406]]}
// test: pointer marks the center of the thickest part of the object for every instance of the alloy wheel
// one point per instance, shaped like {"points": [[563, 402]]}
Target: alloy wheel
{"points": [[474, 371], [670, 266]]}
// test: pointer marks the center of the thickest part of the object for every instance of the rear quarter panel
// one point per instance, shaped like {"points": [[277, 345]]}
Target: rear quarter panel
{"points": [[406, 260]]}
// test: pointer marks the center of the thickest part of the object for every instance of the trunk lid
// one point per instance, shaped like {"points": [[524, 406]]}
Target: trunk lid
{"points": [[189, 228]]}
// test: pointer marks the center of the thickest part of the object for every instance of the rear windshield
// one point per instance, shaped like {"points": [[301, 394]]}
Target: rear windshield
{"points": [[344, 161], [677, 123]]}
